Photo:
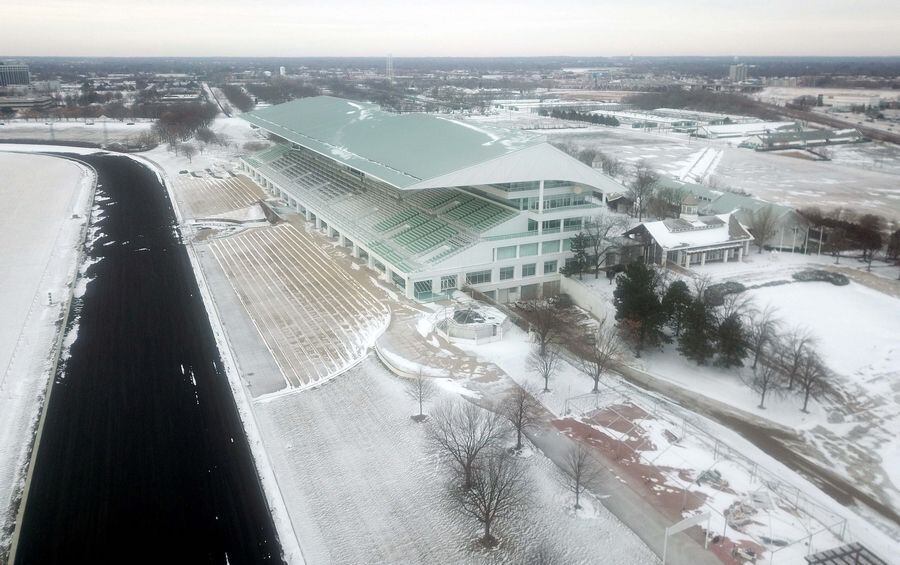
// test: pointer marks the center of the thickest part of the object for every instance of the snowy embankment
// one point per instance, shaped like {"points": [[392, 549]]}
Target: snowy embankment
{"points": [[47, 201], [290, 544]]}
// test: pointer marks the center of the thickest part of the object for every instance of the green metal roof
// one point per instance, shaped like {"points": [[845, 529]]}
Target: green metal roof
{"points": [[400, 149]]}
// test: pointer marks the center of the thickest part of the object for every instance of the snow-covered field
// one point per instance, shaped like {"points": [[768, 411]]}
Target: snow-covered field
{"points": [[863, 176], [92, 131], [856, 327], [362, 488], [569, 395], [46, 201]]}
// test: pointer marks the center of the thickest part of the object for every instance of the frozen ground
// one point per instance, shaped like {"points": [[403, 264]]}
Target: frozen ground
{"points": [[865, 176], [361, 487], [680, 464], [111, 131], [852, 433], [46, 201]]}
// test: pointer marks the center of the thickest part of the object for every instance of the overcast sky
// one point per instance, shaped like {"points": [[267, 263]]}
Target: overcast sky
{"points": [[486, 28]]}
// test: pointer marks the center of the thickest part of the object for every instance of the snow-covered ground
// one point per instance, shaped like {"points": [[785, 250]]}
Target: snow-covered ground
{"points": [[46, 201], [570, 391], [856, 327], [92, 131], [863, 176], [362, 487]]}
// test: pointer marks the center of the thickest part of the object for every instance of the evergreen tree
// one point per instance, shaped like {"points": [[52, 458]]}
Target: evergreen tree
{"points": [[697, 341], [637, 302], [675, 303], [732, 346], [579, 249]]}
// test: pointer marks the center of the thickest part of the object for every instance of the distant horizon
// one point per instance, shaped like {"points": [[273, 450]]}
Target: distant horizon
{"points": [[464, 28], [732, 58]]}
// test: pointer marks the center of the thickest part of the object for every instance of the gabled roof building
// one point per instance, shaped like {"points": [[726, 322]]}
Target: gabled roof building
{"points": [[692, 239], [432, 203]]}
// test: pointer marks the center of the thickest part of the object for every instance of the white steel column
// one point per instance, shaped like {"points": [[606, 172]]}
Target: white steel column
{"points": [[541, 208]]}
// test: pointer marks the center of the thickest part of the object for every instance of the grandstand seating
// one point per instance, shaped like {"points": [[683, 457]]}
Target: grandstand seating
{"points": [[395, 220], [428, 225], [478, 214], [270, 154]]}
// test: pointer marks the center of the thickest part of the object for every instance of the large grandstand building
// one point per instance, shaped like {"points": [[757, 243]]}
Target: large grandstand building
{"points": [[432, 203]]}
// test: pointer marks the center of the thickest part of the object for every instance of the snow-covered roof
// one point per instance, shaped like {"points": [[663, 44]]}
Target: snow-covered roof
{"points": [[704, 231], [418, 150], [747, 129], [538, 162]]}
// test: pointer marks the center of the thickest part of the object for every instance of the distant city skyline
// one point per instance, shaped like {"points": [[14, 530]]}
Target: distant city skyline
{"points": [[467, 28]]}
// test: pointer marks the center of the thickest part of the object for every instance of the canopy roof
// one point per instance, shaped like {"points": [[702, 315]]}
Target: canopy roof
{"points": [[416, 150]]}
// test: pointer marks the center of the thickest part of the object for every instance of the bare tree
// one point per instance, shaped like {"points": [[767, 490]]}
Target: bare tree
{"points": [[792, 349], [188, 150], [642, 187], [546, 322], [812, 377], [544, 365], [460, 431], [610, 165], [761, 331], [579, 473], [734, 304], [498, 491], [762, 226], [587, 156], [421, 389], [522, 410], [600, 348], [838, 242], [766, 379], [600, 231]]}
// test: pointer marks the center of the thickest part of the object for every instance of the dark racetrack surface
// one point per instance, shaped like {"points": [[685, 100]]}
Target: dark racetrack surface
{"points": [[137, 463]]}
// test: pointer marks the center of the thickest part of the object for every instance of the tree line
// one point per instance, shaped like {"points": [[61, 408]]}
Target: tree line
{"points": [[179, 122], [575, 115], [281, 90], [712, 325], [237, 97], [843, 230], [702, 100]]}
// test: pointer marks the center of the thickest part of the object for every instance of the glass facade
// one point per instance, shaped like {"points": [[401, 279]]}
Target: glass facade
{"points": [[448, 282], [506, 252], [572, 224], [550, 247], [422, 290], [528, 250], [478, 277]]}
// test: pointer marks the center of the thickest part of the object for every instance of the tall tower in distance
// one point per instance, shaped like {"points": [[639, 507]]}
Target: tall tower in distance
{"points": [[737, 73], [389, 69]]}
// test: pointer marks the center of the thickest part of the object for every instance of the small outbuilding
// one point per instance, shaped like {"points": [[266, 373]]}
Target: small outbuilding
{"points": [[692, 239]]}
